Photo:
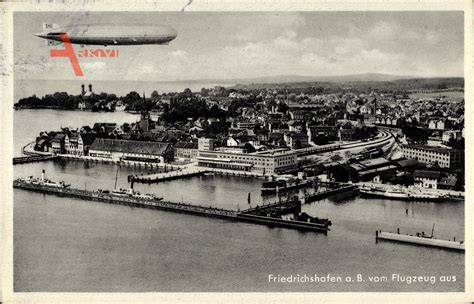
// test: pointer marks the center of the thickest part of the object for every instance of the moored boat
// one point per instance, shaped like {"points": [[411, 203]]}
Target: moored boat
{"points": [[283, 183], [403, 193], [135, 194], [42, 181]]}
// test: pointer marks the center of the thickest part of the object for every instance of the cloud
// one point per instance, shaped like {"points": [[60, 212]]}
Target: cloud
{"points": [[179, 53], [384, 30], [93, 67]]}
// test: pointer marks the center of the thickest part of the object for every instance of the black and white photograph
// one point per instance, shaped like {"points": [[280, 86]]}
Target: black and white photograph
{"points": [[196, 151]]}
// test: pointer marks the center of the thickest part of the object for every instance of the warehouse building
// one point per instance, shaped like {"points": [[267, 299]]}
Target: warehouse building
{"points": [[131, 150]]}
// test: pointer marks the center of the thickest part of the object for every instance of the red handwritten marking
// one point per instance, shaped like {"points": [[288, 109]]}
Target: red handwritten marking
{"points": [[68, 51]]}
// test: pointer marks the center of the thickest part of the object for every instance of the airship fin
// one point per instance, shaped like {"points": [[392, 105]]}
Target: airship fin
{"points": [[49, 26]]}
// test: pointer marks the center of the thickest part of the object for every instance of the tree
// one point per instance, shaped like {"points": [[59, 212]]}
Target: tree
{"points": [[282, 107], [103, 96], [249, 148], [456, 143], [155, 96], [111, 97], [416, 134]]}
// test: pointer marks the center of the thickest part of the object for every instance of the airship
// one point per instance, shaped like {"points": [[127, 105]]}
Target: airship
{"points": [[108, 34]]}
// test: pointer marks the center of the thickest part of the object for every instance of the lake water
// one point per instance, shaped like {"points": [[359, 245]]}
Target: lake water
{"points": [[71, 245]]}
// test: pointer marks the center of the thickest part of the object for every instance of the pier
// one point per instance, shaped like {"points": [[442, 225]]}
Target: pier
{"points": [[419, 240], [335, 189], [292, 205], [32, 159], [189, 172], [270, 214], [226, 214], [167, 176]]}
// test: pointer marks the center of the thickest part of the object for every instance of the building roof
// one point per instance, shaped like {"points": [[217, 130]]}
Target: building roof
{"points": [[59, 137], [449, 181], [426, 174], [407, 162], [374, 162], [378, 170], [130, 146], [186, 145], [87, 139]]}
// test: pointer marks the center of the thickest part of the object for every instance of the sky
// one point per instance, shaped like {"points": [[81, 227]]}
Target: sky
{"points": [[229, 45]]}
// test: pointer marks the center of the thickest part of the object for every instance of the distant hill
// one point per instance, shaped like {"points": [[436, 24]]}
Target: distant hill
{"points": [[282, 79], [300, 78], [343, 78], [358, 84]]}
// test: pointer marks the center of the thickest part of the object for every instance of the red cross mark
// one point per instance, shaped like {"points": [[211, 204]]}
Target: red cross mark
{"points": [[68, 51]]}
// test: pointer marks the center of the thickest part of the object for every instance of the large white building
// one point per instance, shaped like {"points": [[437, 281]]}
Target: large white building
{"points": [[443, 157], [131, 150], [267, 162]]}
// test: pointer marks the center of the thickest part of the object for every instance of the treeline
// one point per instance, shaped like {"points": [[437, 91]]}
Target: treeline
{"points": [[64, 101], [58, 100]]}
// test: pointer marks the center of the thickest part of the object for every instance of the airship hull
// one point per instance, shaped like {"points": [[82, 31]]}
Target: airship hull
{"points": [[112, 34]]}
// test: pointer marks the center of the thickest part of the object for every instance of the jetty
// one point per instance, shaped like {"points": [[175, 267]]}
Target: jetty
{"points": [[32, 159], [332, 189], [189, 172], [246, 216], [419, 239], [271, 214], [292, 205], [167, 176]]}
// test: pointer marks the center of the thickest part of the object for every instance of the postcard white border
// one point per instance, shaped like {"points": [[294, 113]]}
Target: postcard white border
{"points": [[6, 150]]}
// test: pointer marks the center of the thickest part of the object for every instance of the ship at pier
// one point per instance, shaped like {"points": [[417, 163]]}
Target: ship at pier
{"points": [[402, 193], [43, 181]]}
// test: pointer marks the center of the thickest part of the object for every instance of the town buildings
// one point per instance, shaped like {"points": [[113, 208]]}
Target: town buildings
{"points": [[265, 162], [443, 157], [78, 144], [186, 150], [131, 150]]}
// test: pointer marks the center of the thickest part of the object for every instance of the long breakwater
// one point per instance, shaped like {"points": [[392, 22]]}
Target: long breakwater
{"points": [[150, 203]]}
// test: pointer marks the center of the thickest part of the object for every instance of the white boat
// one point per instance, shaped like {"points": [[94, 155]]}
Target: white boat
{"points": [[42, 181], [403, 193]]}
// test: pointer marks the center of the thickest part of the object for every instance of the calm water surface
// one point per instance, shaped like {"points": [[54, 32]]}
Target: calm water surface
{"points": [[63, 244]]}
